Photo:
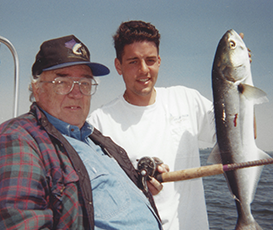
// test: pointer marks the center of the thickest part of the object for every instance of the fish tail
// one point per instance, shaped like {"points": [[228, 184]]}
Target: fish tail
{"points": [[242, 226]]}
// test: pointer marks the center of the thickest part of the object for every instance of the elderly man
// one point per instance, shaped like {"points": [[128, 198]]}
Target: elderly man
{"points": [[56, 170]]}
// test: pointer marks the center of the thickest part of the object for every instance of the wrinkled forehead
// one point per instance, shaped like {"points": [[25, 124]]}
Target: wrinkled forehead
{"points": [[77, 71]]}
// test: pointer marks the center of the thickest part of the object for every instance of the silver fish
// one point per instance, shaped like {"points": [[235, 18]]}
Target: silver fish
{"points": [[234, 97]]}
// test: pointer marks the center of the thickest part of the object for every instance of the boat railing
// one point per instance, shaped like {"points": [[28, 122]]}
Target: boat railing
{"points": [[16, 73]]}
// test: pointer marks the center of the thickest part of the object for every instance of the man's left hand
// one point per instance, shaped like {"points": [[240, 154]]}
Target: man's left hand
{"points": [[154, 186]]}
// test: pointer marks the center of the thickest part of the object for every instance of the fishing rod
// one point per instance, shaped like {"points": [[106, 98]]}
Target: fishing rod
{"points": [[147, 166], [16, 73]]}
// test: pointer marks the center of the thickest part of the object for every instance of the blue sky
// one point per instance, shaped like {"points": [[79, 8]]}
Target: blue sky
{"points": [[190, 33]]}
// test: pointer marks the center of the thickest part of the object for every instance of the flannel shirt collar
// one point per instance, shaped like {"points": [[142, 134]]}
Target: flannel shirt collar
{"points": [[65, 128]]}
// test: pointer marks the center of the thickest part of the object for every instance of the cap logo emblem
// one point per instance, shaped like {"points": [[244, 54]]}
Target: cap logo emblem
{"points": [[76, 48]]}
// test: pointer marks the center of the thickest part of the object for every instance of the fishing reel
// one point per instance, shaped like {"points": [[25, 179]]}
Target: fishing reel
{"points": [[146, 168]]}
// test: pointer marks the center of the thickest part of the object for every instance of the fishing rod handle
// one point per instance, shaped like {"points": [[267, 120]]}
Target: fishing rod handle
{"points": [[191, 173]]}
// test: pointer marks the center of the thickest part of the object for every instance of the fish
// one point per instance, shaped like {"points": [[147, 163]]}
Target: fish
{"points": [[234, 97]]}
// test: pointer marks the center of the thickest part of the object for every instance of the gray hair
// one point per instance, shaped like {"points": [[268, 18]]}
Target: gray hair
{"points": [[34, 80]]}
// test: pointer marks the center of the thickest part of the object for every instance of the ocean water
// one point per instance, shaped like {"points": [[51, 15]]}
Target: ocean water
{"points": [[221, 207]]}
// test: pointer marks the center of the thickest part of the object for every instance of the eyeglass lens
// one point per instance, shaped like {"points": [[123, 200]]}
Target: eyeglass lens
{"points": [[64, 85]]}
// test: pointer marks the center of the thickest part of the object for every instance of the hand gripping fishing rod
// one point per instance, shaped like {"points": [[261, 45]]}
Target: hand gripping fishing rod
{"points": [[147, 166]]}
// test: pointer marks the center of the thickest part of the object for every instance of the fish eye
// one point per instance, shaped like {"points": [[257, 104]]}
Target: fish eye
{"points": [[232, 44]]}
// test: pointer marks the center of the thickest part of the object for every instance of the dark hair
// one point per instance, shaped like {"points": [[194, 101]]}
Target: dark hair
{"points": [[134, 31]]}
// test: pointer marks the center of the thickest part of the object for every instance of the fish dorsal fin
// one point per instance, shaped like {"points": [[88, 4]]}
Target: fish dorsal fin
{"points": [[253, 93], [215, 157]]}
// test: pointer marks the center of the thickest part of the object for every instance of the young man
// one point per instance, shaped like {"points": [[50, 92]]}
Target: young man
{"points": [[56, 170], [162, 122]]}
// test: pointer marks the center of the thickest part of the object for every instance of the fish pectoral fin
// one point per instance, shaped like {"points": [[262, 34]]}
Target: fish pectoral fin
{"points": [[215, 157], [253, 93]]}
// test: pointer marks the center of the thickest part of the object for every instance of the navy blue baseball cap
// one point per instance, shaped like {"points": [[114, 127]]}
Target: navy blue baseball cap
{"points": [[63, 52]]}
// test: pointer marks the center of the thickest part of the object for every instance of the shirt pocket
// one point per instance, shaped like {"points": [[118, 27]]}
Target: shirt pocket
{"points": [[110, 195]]}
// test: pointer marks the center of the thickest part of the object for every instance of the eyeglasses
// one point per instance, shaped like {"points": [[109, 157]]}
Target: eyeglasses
{"points": [[64, 85]]}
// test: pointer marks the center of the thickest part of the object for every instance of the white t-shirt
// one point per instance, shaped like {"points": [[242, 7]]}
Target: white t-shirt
{"points": [[169, 129]]}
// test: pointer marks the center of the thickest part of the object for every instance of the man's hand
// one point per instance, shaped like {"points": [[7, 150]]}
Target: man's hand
{"points": [[154, 186], [249, 51]]}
